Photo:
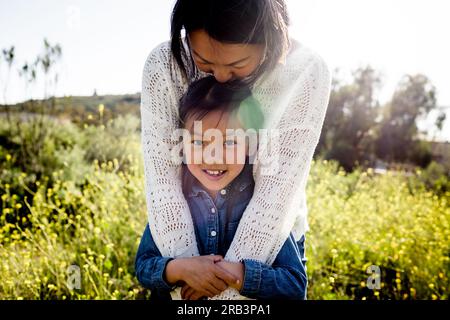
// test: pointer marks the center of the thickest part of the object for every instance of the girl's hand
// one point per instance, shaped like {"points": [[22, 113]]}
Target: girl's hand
{"points": [[188, 293], [235, 268], [201, 274]]}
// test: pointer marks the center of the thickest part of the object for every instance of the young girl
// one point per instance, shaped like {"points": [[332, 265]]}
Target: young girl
{"points": [[217, 191], [247, 40]]}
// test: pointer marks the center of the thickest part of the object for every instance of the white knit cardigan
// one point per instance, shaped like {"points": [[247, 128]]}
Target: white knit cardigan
{"points": [[294, 98]]}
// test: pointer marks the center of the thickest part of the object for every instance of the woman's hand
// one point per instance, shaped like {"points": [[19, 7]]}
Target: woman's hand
{"points": [[237, 269], [201, 273]]}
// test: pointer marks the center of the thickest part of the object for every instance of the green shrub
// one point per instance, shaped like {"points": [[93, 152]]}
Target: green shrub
{"points": [[362, 219], [436, 177], [119, 140]]}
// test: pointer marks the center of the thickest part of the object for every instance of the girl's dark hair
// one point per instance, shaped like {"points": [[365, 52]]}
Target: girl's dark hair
{"points": [[207, 94], [232, 21]]}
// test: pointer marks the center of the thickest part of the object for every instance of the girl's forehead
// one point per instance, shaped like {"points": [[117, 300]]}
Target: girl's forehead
{"points": [[217, 119]]}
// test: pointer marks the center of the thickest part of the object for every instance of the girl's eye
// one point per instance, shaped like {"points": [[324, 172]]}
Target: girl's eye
{"points": [[229, 143], [197, 143]]}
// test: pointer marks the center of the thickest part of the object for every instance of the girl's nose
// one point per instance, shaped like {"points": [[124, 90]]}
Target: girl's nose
{"points": [[214, 154]]}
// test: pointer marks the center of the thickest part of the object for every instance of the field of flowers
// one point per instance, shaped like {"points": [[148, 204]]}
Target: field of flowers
{"points": [[86, 208]]}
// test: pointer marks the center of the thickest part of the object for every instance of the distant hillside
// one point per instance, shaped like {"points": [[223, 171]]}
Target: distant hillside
{"points": [[82, 108]]}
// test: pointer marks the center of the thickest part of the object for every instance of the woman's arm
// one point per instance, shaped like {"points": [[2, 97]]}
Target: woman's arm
{"points": [[168, 213], [169, 218], [300, 112]]}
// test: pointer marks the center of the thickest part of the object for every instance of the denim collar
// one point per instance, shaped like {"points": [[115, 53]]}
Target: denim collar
{"points": [[192, 187]]}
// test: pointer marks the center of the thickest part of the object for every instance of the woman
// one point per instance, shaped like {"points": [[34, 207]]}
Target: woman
{"points": [[246, 40]]}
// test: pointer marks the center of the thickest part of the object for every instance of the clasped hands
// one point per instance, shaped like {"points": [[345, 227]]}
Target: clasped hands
{"points": [[204, 276]]}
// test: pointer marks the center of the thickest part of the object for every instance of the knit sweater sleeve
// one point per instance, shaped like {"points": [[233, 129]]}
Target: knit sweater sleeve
{"points": [[168, 213], [302, 91]]}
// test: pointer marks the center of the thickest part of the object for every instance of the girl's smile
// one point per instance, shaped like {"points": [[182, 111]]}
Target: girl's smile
{"points": [[214, 175]]}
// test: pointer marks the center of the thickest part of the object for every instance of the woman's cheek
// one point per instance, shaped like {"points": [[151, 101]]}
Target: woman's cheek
{"points": [[203, 68], [244, 72]]}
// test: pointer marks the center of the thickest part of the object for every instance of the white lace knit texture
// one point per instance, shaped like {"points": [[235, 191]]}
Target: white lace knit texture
{"points": [[294, 98]]}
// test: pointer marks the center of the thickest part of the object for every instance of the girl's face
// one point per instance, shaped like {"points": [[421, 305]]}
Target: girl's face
{"points": [[225, 61], [215, 162]]}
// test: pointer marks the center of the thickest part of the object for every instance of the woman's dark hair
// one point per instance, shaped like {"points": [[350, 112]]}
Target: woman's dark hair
{"points": [[207, 94], [232, 21]]}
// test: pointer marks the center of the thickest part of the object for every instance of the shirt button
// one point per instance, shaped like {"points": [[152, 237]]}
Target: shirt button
{"points": [[223, 192], [213, 233], [213, 210]]}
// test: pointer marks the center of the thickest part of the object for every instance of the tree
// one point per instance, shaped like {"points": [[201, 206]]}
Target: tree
{"points": [[439, 122], [30, 145], [8, 56], [347, 135], [398, 138]]}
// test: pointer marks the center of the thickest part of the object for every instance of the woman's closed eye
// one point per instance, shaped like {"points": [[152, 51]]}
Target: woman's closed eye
{"points": [[239, 67], [206, 66]]}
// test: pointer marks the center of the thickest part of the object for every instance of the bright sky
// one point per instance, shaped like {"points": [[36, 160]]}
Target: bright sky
{"points": [[105, 43]]}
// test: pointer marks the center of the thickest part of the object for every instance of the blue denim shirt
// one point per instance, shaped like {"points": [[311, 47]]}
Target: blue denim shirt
{"points": [[215, 223]]}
